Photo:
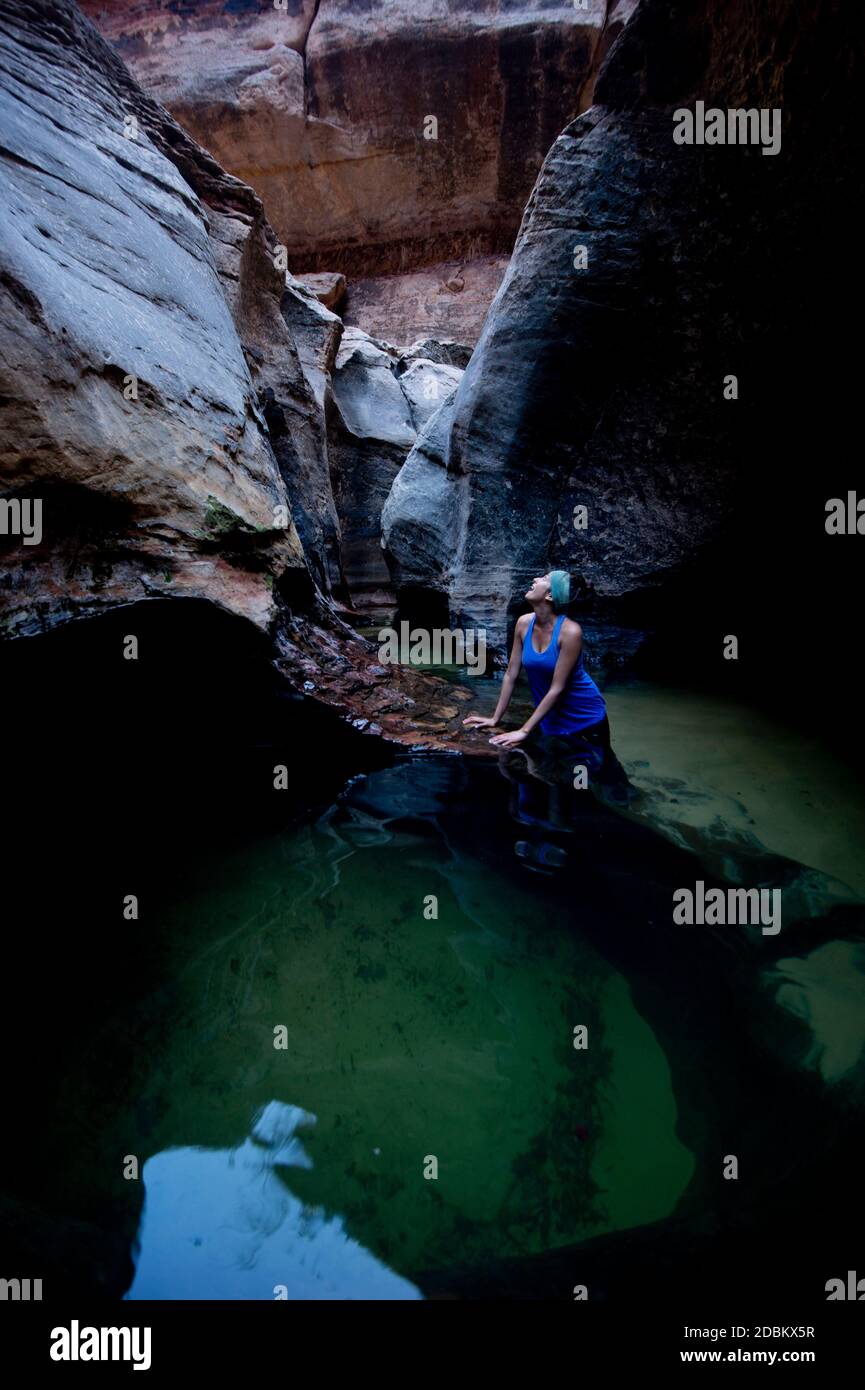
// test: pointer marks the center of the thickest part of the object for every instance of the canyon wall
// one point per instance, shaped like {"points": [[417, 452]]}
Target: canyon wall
{"points": [[394, 143], [127, 406], [162, 385], [646, 273], [592, 427]]}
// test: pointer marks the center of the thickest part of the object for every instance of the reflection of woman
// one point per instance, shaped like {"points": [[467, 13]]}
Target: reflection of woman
{"points": [[550, 647]]}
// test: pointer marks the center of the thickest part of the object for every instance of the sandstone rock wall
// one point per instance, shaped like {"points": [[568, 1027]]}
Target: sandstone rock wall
{"points": [[127, 405], [602, 386], [162, 388], [324, 108]]}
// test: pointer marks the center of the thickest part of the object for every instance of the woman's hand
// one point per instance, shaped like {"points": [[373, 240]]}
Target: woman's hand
{"points": [[480, 721], [511, 740]]}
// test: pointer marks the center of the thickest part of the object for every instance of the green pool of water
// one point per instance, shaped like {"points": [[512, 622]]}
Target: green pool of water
{"points": [[412, 1046], [424, 1107]]}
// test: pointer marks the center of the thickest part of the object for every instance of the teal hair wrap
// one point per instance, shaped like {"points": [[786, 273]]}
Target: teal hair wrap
{"points": [[560, 587]]}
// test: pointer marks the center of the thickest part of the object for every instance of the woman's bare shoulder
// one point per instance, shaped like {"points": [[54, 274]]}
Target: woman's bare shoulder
{"points": [[522, 623], [571, 628]]}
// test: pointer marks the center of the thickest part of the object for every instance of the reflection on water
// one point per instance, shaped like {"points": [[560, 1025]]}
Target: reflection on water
{"points": [[707, 763], [222, 1223], [427, 949], [826, 989], [408, 1038]]}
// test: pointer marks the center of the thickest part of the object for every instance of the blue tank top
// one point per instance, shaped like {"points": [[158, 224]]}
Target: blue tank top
{"points": [[580, 703]]}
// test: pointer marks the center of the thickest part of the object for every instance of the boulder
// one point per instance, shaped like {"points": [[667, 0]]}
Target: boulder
{"points": [[379, 402], [444, 350], [328, 287]]}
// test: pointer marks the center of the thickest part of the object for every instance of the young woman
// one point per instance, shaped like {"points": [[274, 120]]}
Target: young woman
{"points": [[568, 704]]}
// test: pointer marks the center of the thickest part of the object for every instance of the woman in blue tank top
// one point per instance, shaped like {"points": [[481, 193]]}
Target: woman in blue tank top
{"points": [[550, 649]]}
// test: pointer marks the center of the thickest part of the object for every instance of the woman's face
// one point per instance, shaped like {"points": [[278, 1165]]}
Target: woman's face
{"points": [[540, 589]]}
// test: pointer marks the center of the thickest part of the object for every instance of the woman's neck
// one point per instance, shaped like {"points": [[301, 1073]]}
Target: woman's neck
{"points": [[544, 614]]}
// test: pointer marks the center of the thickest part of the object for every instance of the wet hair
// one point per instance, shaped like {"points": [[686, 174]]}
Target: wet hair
{"points": [[560, 588]]}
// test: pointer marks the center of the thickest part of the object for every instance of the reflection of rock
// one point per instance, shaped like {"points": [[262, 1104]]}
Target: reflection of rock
{"points": [[826, 990], [715, 829], [222, 1224], [406, 1037]]}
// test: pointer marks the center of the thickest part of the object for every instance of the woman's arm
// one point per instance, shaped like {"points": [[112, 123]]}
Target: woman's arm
{"points": [[510, 680], [570, 646]]}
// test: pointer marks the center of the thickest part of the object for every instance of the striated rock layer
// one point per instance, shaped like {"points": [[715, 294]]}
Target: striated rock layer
{"points": [[127, 406], [598, 380], [447, 299], [326, 109], [161, 386]]}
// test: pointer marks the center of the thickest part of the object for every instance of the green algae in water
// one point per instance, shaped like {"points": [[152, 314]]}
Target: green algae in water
{"points": [[640, 1180], [406, 1039]]}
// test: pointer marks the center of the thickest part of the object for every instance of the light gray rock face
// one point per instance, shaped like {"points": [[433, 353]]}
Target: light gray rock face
{"points": [[289, 340], [422, 513], [166, 385], [127, 404], [444, 350], [379, 402], [367, 393], [426, 384]]}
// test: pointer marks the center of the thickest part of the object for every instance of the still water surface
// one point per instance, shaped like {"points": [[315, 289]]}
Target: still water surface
{"points": [[414, 1042]]}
